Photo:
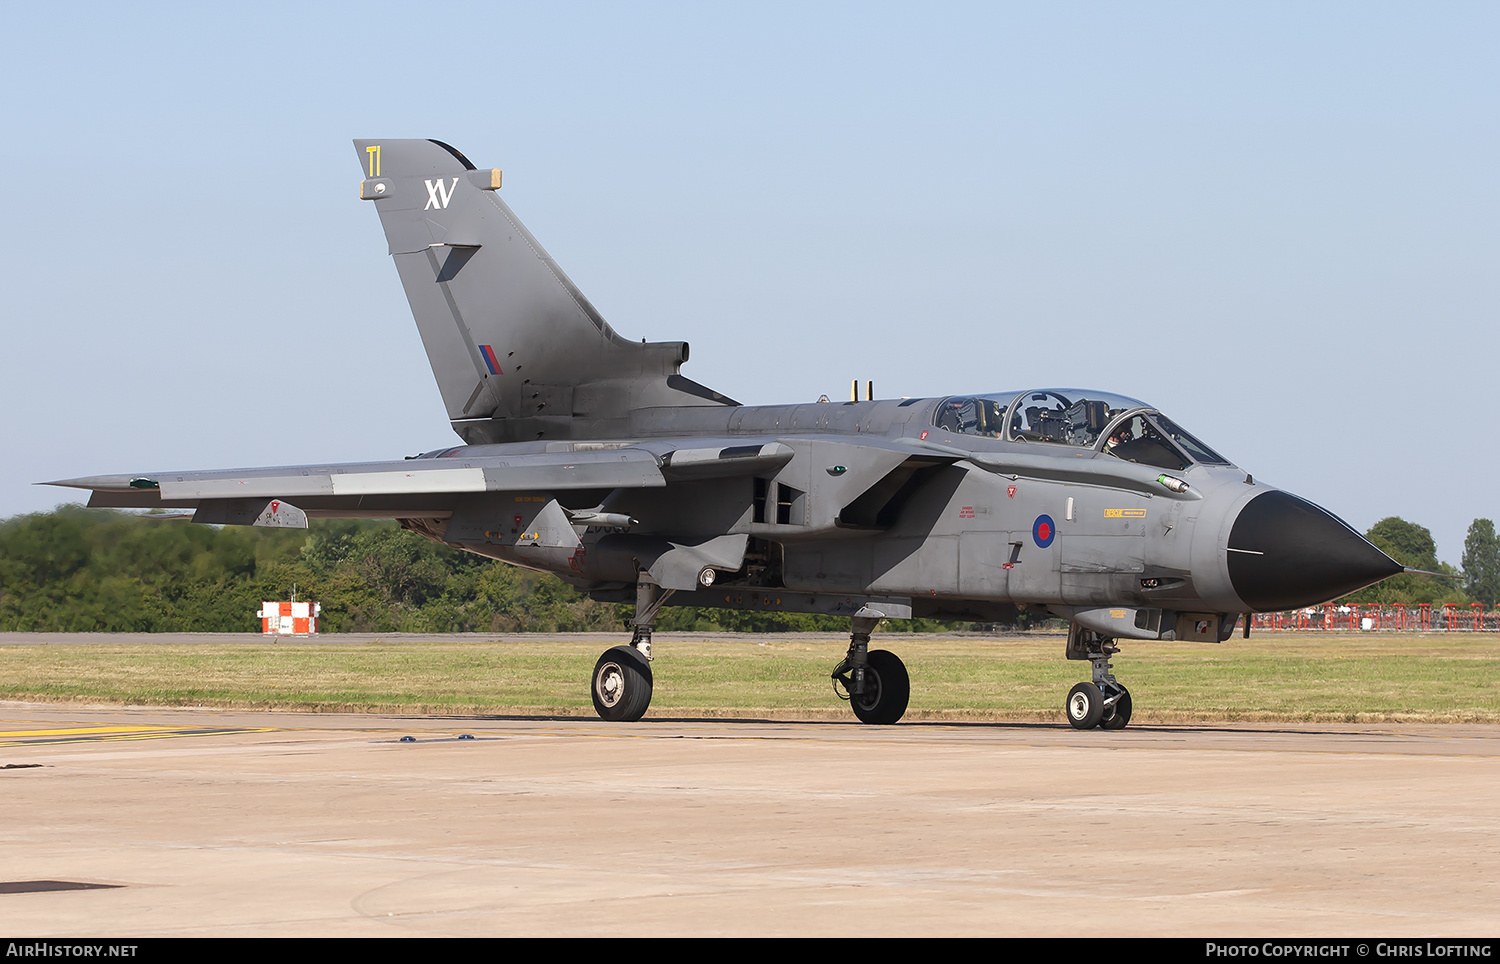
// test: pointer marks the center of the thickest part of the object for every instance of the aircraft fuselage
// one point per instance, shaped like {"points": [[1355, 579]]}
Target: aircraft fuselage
{"points": [[933, 522]]}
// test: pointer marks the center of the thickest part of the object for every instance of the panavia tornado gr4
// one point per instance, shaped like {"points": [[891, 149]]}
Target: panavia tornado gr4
{"points": [[592, 457]]}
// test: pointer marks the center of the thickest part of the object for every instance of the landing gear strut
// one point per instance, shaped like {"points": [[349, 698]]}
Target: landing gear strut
{"points": [[875, 681], [1102, 702], [622, 676]]}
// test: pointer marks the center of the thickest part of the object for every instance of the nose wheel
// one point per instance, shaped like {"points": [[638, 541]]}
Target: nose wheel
{"points": [[1117, 716], [1090, 705], [1102, 702], [1085, 706]]}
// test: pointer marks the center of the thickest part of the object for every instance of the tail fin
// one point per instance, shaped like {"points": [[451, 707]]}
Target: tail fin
{"points": [[517, 350]]}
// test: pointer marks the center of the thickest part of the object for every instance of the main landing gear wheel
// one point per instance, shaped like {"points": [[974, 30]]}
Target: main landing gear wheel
{"points": [[1115, 717], [887, 689], [622, 685], [1085, 706], [872, 680]]}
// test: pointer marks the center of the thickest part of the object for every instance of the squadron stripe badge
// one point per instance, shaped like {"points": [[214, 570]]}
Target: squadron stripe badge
{"points": [[490, 361]]}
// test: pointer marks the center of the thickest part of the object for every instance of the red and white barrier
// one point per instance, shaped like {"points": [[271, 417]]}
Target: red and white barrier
{"points": [[289, 618], [1416, 618]]}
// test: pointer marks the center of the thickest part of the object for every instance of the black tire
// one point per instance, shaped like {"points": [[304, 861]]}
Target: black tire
{"points": [[1120, 716], [1085, 706], [887, 689], [621, 685]]}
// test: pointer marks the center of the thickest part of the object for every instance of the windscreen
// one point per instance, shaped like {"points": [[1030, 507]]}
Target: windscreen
{"points": [[974, 414], [1117, 425], [1193, 447], [1069, 416]]}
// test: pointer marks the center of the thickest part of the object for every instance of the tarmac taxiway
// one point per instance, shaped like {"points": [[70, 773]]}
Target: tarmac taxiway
{"points": [[210, 822]]}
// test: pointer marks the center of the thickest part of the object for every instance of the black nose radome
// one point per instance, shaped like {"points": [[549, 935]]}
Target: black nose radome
{"points": [[1285, 552]]}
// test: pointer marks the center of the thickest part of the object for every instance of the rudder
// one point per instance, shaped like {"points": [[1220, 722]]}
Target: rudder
{"points": [[513, 344]]}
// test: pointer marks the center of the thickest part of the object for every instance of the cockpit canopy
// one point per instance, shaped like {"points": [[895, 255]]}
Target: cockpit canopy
{"points": [[1126, 428]]}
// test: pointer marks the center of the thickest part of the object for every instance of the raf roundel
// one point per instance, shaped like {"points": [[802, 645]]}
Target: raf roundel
{"points": [[1042, 531]]}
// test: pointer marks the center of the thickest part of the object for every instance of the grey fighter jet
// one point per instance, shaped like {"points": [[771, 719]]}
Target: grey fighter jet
{"points": [[592, 457]]}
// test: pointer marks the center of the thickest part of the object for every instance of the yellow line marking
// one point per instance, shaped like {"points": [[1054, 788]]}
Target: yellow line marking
{"points": [[95, 734], [69, 731]]}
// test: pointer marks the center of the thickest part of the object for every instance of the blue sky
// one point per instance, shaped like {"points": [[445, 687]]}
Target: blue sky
{"points": [[1278, 222]]}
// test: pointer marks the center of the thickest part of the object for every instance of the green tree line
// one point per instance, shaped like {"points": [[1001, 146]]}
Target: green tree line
{"points": [[1412, 545], [96, 570]]}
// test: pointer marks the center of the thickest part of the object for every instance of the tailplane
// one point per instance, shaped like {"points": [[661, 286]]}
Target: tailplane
{"points": [[517, 350]]}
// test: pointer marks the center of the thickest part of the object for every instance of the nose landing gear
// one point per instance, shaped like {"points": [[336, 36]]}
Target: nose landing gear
{"points": [[1102, 702]]}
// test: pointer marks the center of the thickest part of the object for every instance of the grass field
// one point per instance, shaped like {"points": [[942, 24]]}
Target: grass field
{"points": [[1453, 677]]}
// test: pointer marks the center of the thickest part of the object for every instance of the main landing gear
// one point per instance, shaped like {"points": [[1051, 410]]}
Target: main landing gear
{"points": [[1102, 702], [622, 676], [874, 682]]}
